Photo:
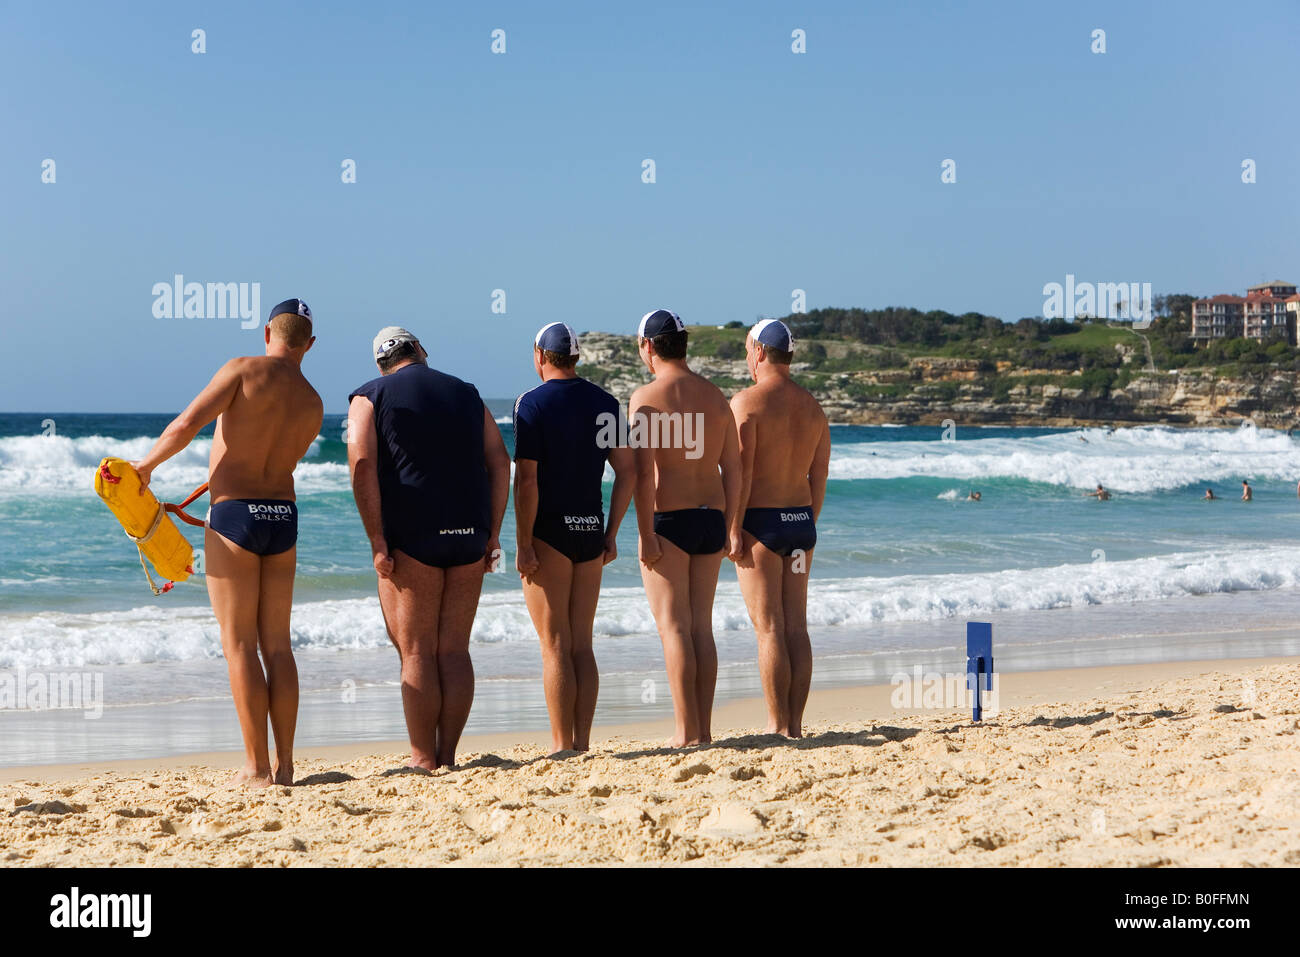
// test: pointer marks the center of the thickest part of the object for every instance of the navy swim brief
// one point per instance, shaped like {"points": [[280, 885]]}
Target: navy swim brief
{"points": [[696, 531], [263, 526], [782, 530]]}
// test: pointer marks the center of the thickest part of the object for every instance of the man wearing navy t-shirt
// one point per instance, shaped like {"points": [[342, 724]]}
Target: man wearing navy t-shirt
{"points": [[431, 476], [563, 541]]}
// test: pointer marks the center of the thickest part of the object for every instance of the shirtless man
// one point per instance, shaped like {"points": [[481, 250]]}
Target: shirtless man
{"points": [[1246, 493], [687, 494], [1100, 494], [785, 452], [267, 417], [430, 475], [563, 539]]}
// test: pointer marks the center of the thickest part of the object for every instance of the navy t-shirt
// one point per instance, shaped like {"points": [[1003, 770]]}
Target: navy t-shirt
{"points": [[557, 425], [431, 464]]}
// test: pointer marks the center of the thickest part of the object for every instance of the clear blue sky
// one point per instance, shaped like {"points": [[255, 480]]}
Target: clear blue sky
{"points": [[522, 171]]}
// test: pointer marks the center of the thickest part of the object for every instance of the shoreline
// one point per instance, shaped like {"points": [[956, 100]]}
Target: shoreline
{"points": [[862, 702], [510, 701]]}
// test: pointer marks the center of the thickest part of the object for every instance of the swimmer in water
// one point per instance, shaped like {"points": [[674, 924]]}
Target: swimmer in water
{"points": [[1100, 495]]}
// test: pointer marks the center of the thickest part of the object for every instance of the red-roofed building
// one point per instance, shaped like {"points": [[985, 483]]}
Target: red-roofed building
{"points": [[1219, 317], [1267, 313]]}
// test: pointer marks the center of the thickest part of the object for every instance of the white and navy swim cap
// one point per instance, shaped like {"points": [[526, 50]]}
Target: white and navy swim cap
{"points": [[658, 322], [557, 337], [389, 338], [294, 307], [774, 333]]}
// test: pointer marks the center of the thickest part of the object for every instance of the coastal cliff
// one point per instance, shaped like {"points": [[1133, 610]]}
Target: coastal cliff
{"points": [[926, 390]]}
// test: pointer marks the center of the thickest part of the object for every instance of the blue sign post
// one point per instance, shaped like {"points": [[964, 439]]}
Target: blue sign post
{"points": [[979, 662]]}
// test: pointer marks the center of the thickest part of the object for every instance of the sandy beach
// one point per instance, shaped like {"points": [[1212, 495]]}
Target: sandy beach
{"points": [[1154, 765]]}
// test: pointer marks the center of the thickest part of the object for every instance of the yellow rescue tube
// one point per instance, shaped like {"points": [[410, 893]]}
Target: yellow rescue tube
{"points": [[144, 519]]}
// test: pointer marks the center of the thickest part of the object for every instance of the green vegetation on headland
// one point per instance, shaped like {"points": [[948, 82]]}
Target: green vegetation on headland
{"points": [[901, 364]]}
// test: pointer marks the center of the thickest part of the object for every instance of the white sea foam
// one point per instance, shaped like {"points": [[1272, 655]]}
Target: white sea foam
{"points": [[36, 464], [179, 633], [1128, 460]]}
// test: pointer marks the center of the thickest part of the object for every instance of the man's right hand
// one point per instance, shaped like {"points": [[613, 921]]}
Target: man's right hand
{"points": [[738, 549], [383, 560], [145, 472], [526, 562], [651, 550]]}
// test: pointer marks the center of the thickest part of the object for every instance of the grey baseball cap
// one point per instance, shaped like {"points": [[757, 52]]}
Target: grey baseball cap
{"points": [[389, 338]]}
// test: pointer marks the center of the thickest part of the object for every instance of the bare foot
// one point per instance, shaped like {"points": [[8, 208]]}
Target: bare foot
{"points": [[427, 763], [677, 741], [282, 772], [251, 778]]}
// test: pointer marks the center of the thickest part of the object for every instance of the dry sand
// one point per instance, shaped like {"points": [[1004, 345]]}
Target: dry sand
{"points": [[1172, 764]]}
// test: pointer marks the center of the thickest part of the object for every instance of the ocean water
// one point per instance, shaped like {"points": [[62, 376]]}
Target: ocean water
{"points": [[902, 562]]}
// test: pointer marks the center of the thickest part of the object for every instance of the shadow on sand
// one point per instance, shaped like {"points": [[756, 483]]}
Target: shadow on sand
{"points": [[868, 738]]}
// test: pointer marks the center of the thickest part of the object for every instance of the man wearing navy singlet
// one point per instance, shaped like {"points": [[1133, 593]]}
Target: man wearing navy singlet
{"points": [[562, 432], [431, 475]]}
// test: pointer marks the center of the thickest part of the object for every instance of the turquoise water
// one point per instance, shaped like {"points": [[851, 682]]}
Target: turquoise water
{"points": [[903, 560]]}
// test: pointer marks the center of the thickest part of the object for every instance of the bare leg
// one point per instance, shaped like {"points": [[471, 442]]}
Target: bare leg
{"points": [[582, 617], [411, 599], [667, 587], [275, 601], [547, 597], [794, 601], [761, 583], [462, 585], [233, 575], [704, 583]]}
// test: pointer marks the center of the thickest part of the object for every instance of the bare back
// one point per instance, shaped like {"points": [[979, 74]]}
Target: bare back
{"points": [[685, 477], [787, 428], [264, 432]]}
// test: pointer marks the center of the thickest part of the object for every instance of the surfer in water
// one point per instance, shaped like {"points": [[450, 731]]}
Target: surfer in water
{"points": [[1246, 493], [1100, 494], [267, 417], [1209, 495]]}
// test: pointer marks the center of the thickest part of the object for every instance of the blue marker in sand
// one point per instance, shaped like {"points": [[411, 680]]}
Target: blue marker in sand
{"points": [[979, 662]]}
